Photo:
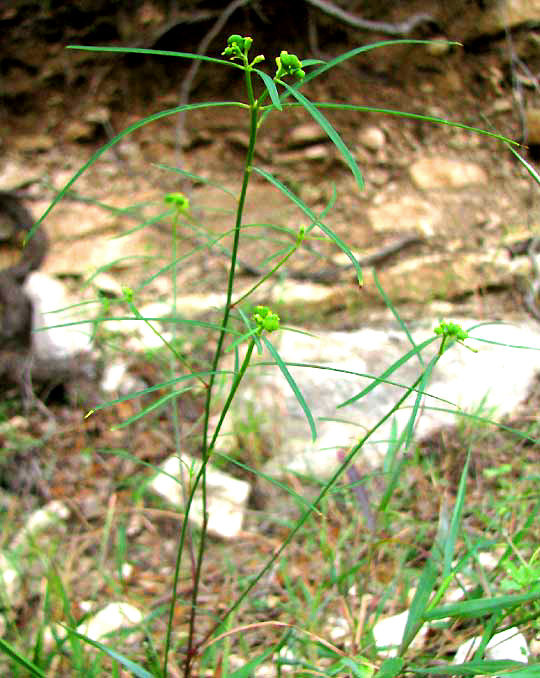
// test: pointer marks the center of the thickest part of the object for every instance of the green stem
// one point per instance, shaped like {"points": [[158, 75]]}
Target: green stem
{"points": [[168, 344], [206, 448], [268, 275], [315, 504]]}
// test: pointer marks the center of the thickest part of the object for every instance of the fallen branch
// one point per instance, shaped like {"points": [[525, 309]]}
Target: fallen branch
{"points": [[400, 28]]}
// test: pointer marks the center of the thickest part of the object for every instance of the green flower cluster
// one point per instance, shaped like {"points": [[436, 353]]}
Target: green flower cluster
{"points": [[237, 46], [451, 331], [289, 64], [178, 201], [265, 319]]}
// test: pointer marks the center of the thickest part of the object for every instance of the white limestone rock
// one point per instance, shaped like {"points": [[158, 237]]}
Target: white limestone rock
{"points": [[227, 496], [509, 644]]}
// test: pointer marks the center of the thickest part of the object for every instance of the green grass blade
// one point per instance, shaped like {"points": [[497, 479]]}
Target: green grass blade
{"points": [[455, 523], [486, 420], [314, 218], [119, 137], [293, 385], [123, 454], [419, 604], [270, 87], [247, 671], [195, 177], [15, 656], [413, 116], [481, 607], [339, 370], [395, 313], [360, 50], [270, 479], [494, 667], [530, 169], [155, 52], [390, 668], [390, 370], [326, 66], [135, 669], [330, 131], [156, 405], [426, 376], [156, 387]]}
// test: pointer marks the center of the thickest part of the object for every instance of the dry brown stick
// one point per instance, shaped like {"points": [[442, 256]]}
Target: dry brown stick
{"points": [[400, 28]]}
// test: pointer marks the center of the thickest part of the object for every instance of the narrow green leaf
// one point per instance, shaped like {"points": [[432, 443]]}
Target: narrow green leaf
{"points": [[314, 366], [390, 370], [329, 129], [485, 420], [390, 668], [314, 218], [312, 62], [156, 387], [414, 116], [395, 313], [532, 671], [481, 607], [126, 663], [155, 52], [416, 617], [426, 376], [195, 177], [156, 405], [360, 50], [282, 486], [493, 667], [271, 88], [293, 385], [247, 671], [455, 523], [530, 169], [11, 652], [119, 137]]}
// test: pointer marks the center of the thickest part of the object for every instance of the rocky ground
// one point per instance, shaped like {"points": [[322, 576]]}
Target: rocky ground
{"points": [[464, 200]]}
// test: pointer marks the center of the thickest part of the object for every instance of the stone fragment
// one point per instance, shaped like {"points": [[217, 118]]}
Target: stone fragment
{"points": [[53, 514], [34, 143], [14, 174], [305, 135], [532, 124], [309, 153], [440, 172], [372, 138], [388, 634], [509, 645], [227, 496], [111, 618], [438, 47], [406, 214], [61, 331], [114, 617], [501, 16], [78, 130], [116, 379], [10, 581], [497, 378]]}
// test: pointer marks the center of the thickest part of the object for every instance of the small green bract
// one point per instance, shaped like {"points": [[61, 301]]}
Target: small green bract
{"points": [[178, 200], [289, 64], [265, 319]]}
